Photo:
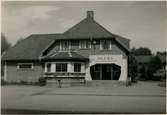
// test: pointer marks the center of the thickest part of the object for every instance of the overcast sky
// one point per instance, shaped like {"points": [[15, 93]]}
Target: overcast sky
{"points": [[141, 22]]}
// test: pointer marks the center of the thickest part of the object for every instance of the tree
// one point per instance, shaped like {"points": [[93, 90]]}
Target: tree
{"points": [[133, 50], [153, 65], [4, 43], [143, 72], [132, 72], [4, 46], [141, 51], [162, 53]]}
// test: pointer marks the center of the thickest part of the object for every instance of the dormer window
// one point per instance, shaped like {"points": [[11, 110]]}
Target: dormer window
{"points": [[74, 44], [85, 44], [105, 44], [64, 45]]}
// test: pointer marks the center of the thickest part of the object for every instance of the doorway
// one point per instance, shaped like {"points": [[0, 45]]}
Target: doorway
{"points": [[105, 72]]}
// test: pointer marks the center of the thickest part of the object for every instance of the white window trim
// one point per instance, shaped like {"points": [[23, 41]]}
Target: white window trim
{"points": [[101, 45], [18, 65], [50, 67], [69, 45], [90, 44], [110, 45], [80, 44], [60, 45], [84, 44]]}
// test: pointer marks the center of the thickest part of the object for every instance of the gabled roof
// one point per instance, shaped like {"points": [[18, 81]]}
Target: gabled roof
{"points": [[65, 56], [33, 46], [86, 29], [30, 48], [123, 40]]}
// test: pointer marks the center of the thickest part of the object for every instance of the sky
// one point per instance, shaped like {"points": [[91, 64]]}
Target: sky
{"points": [[144, 23]]}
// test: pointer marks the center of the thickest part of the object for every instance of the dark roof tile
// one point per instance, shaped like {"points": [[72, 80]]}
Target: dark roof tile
{"points": [[87, 28], [29, 48]]}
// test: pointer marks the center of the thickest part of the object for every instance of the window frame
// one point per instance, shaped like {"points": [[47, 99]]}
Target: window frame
{"points": [[74, 43], [84, 44], [77, 67], [105, 41], [63, 43], [61, 67], [18, 65]]}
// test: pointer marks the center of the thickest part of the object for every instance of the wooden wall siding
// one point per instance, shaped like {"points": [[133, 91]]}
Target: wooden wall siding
{"points": [[29, 75]]}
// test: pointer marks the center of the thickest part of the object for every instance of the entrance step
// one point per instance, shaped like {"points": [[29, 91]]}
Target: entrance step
{"points": [[105, 83]]}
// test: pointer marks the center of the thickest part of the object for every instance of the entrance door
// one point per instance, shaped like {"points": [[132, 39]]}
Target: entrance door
{"points": [[96, 72], [106, 72]]}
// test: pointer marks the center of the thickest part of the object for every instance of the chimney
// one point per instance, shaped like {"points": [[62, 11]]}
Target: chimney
{"points": [[90, 14]]}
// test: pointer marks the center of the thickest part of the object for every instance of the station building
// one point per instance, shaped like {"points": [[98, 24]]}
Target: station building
{"points": [[87, 50]]}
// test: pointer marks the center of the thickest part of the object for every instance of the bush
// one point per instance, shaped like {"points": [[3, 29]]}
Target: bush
{"points": [[132, 71], [23, 82], [153, 66], [42, 81]]}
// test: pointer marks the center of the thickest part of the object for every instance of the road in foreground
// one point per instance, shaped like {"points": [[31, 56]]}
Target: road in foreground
{"points": [[88, 104], [145, 97]]}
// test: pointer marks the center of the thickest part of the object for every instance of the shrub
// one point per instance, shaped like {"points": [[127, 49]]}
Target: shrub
{"points": [[132, 71], [22, 82], [42, 81]]}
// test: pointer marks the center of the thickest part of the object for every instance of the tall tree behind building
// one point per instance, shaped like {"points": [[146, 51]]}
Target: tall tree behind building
{"points": [[4, 43], [141, 51]]}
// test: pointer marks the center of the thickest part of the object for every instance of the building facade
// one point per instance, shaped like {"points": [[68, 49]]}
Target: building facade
{"points": [[87, 50]]}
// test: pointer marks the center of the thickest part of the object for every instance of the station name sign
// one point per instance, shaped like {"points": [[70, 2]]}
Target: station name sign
{"points": [[103, 58]]}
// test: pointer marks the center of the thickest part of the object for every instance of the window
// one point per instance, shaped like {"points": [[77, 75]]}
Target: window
{"points": [[77, 67], [105, 44], [85, 44], [57, 45], [64, 45], [82, 44], [61, 67], [48, 67], [25, 66], [74, 44]]}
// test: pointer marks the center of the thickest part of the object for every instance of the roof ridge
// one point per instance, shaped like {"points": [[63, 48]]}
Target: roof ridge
{"points": [[74, 25], [103, 27], [46, 34]]}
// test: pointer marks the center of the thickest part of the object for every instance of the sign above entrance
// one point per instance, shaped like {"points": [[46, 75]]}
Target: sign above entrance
{"points": [[105, 58]]}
